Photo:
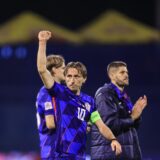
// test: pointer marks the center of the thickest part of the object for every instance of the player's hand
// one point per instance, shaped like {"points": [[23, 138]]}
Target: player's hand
{"points": [[138, 107], [44, 35], [115, 145], [144, 102]]}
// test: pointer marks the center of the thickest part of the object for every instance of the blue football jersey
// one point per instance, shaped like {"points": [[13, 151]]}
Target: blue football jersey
{"points": [[73, 113], [45, 105]]}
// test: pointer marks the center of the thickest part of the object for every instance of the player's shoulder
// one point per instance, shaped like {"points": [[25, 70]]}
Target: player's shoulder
{"points": [[43, 94], [42, 90], [58, 86], [105, 90], [87, 97]]}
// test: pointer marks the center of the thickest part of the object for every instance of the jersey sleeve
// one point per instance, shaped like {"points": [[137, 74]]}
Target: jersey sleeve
{"points": [[48, 108], [56, 90], [45, 103]]}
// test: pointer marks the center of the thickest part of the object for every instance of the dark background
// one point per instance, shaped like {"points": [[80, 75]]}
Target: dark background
{"points": [[20, 82], [74, 14]]}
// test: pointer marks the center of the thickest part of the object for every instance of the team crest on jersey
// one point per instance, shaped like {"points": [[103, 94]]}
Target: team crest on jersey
{"points": [[48, 105], [88, 107]]}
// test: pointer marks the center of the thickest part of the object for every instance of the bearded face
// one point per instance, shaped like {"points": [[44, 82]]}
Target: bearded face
{"points": [[120, 76]]}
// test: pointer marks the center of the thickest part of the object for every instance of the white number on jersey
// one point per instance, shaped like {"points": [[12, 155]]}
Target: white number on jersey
{"points": [[81, 113]]}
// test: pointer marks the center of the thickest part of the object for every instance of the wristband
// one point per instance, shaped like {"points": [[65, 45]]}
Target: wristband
{"points": [[113, 139]]}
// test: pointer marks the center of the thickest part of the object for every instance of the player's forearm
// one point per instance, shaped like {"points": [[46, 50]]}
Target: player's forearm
{"points": [[41, 57], [104, 130], [50, 121], [107, 133], [45, 75]]}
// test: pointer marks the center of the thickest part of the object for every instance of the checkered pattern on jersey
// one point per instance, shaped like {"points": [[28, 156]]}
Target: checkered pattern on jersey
{"points": [[47, 137], [73, 112]]}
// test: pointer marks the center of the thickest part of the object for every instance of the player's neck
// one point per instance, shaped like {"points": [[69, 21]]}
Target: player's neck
{"points": [[57, 80], [121, 88], [76, 92]]}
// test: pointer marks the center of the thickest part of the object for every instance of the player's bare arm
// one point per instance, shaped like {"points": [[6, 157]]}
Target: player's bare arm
{"points": [[45, 75], [50, 121], [107, 133]]}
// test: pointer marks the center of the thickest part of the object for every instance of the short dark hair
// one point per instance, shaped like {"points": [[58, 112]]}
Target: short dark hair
{"points": [[77, 65], [54, 61], [115, 64]]}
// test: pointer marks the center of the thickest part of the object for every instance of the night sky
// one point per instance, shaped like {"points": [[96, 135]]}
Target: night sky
{"points": [[73, 14]]}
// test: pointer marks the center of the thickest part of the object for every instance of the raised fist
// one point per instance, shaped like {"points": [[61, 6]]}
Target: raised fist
{"points": [[44, 35]]}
